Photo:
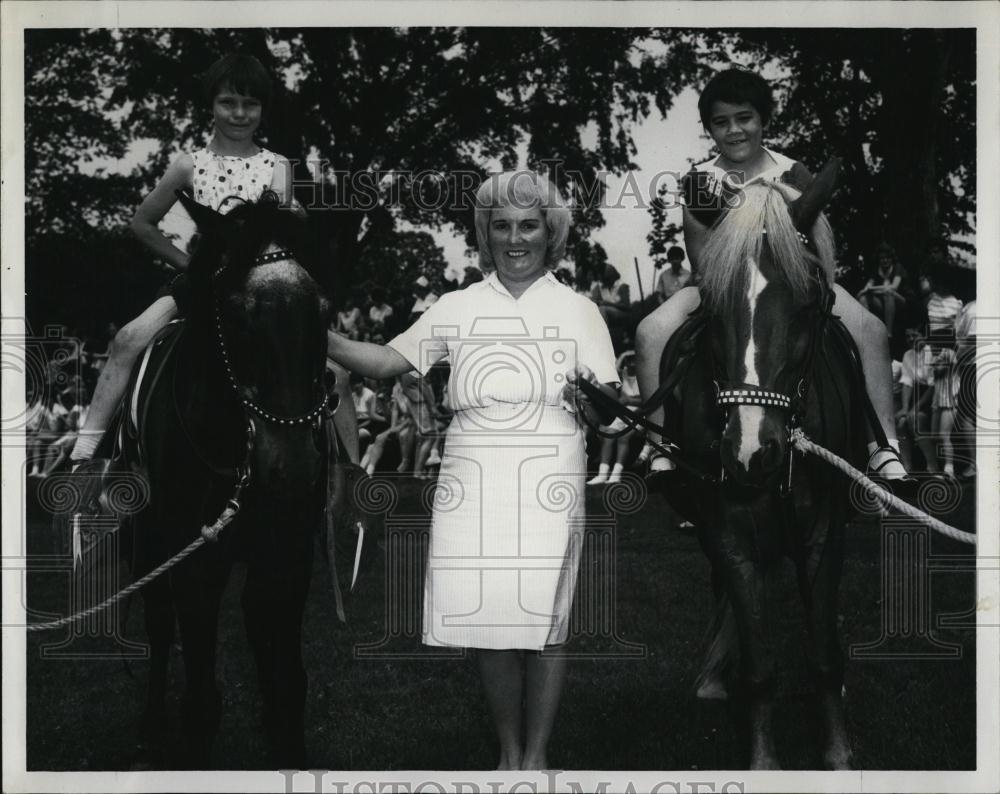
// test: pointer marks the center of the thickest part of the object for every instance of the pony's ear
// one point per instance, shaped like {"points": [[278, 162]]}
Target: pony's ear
{"points": [[204, 217], [807, 207]]}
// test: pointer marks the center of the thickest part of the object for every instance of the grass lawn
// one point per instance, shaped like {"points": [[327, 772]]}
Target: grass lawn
{"points": [[378, 700]]}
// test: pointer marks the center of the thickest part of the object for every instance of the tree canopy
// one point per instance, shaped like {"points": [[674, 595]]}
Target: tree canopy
{"points": [[399, 124], [383, 110]]}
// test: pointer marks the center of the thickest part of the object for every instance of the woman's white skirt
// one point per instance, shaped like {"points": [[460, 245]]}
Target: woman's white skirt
{"points": [[507, 529]]}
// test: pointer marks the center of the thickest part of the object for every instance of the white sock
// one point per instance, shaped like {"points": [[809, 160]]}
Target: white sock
{"points": [[893, 468], [86, 444], [602, 475], [661, 464], [616, 473]]}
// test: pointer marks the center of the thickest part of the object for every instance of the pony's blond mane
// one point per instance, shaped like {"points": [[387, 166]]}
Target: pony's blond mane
{"points": [[737, 241]]}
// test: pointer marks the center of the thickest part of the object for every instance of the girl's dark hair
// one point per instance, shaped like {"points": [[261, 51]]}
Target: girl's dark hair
{"points": [[244, 74], [737, 86]]}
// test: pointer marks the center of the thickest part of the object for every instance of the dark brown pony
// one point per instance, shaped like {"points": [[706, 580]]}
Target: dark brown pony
{"points": [[241, 395], [769, 357]]}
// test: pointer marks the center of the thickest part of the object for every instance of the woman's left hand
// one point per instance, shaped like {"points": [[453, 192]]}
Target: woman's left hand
{"points": [[574, 400]]}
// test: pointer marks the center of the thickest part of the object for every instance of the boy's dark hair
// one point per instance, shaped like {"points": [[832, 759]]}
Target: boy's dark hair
{"points": [[737, 86], [244, 74], [676, 252]]}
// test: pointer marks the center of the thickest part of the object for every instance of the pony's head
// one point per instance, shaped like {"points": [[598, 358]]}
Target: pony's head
{"points": [[254, 298], [765, 289]]}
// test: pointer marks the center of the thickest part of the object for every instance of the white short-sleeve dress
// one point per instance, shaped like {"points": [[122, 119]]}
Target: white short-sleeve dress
{"points": [[508, 513]]}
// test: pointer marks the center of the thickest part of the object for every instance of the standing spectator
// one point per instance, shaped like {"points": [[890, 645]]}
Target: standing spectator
{"points": [[613, 301], [966, 403], [945, 393], [614, 446], [942, 305], [424, 298], [675, 277], [917, 393]]}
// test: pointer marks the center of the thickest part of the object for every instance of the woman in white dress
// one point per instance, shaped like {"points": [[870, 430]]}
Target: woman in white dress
{"points": [[509, 511]]}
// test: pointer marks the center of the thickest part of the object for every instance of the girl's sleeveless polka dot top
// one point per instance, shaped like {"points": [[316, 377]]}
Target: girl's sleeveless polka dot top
{"points": [[222, 182]]}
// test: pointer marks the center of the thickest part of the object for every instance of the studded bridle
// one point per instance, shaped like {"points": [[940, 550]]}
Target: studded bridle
{"points": [[327, 403]]}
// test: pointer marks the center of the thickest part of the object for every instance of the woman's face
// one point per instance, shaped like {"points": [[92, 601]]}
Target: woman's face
{"points": [[885, 261], [518, 240], [737, 130]]}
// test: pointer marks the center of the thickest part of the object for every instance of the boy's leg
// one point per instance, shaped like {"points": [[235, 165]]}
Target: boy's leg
{"points": [[873, 343], [123, 351], [651, 338]]}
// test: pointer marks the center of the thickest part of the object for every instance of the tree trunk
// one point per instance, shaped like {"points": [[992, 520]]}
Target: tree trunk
{"points": [[912, 83]]}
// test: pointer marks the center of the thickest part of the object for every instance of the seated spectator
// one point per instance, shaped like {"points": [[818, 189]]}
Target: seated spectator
{"points": [[882, 294], [400, 427], [675, 277], [421, 397], [349, 319], [370, 421], [380, 311]]}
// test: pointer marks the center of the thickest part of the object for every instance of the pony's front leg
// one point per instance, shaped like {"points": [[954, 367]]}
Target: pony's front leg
{"points": [[749, 597], [159, 621], [738, 560], [198, 586], [272, 611], [819, 579]]}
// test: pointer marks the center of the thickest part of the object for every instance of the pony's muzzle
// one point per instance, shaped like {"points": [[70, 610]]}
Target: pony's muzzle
{"points": [[752, 447], [287, 464]]}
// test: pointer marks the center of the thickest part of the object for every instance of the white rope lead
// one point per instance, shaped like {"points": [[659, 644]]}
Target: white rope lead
{"points": [[804, 444], [55, 624]]}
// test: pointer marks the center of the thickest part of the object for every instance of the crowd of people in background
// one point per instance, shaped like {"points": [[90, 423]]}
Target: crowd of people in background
{"points": [[63, 371], [402, 421]]}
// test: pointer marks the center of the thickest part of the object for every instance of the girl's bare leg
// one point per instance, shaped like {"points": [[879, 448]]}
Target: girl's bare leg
{"points": [[872, 339], [123, 351]]}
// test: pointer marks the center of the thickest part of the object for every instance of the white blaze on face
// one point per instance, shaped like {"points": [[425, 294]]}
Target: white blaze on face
{"points": [[751, 416]]}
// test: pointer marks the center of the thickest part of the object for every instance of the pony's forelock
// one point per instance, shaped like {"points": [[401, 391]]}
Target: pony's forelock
{"points": [[737, 241]]}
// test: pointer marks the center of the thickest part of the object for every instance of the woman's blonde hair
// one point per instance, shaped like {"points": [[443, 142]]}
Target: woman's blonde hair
{"points": [[522, 189]]}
